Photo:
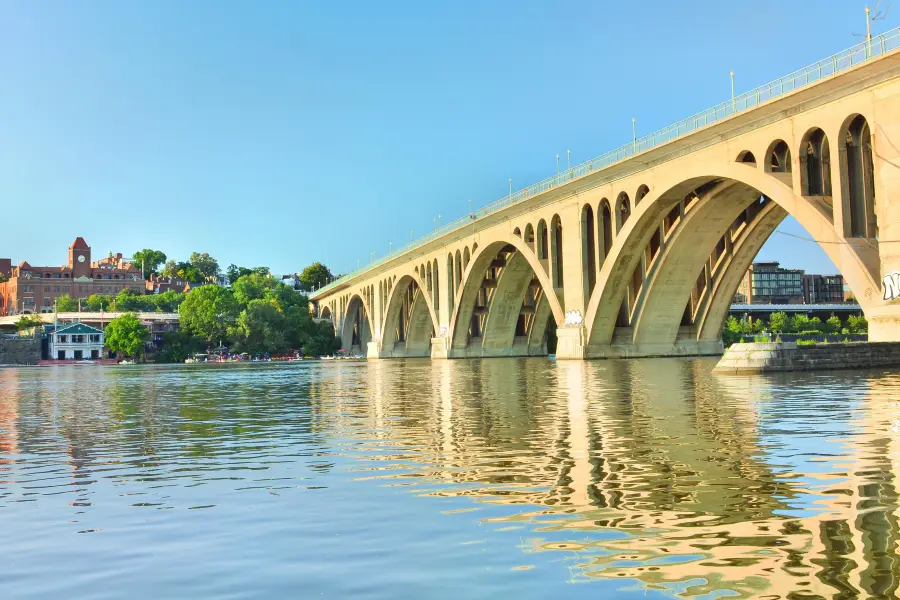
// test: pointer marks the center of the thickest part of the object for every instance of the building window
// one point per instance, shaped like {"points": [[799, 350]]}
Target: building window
{"points": [[56, 289], [62, 339], [66, 289], [47, 288]]}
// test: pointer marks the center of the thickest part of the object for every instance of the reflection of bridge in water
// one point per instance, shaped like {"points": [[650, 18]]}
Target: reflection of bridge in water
{"points": [[640, 251], [679, 483]]}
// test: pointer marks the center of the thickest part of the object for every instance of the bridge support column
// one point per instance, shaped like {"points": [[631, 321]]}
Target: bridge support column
{"points": [[373, 350], [570, 342], [440, 347]]}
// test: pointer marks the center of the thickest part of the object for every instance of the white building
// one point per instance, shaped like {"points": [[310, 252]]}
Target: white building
{"points": [[76, 342]]}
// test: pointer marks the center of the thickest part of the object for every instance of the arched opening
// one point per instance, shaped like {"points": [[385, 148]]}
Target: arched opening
{"points": [[409, 323], [746, 157], [858, 179], [623, 210], [428, 279], [466, 258], [815, 159], [326, 313], [556, 235], [588, 250], [605, 229], [542, 241], [503, 309], [436, 294], [451, 278], [517, 232], [778, 157], [457, 271], [357, 332], [641, 192], [529, 236]]}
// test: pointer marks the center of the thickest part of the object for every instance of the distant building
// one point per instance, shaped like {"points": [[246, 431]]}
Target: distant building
{"points": [[76, 342], [821, 289], [32, 289], [768, 283]]}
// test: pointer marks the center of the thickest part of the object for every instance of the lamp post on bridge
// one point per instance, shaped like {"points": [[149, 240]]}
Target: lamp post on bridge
{"points": [[510, 188], [634, 135], [569, 160], [557, 164], [732, 92]]}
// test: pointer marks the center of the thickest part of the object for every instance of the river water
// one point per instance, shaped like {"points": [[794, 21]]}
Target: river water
{"points": [[519, 478]]}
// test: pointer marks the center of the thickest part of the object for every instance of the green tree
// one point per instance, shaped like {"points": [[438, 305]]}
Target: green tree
{"points": [[3, 278], [126, 334], [759, 326], [252, 287], [149, 260], [183, 270], [322, 341], [732, 331], [27, 322], [777, 322], [205, 265], [97, 302], [168, 301], [260, 328], [178, 346], [66, 303], [832, 325], [207, 312], [314, 276], [858, 324]]}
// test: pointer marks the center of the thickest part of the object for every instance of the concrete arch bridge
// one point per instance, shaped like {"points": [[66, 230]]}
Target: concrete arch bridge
{"points": [[640, 252]]}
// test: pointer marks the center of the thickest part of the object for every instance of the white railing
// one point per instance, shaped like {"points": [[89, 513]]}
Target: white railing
{"points": [[822, 69]]}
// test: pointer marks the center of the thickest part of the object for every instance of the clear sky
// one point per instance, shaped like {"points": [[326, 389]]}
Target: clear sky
{"points": [[281, 133]]}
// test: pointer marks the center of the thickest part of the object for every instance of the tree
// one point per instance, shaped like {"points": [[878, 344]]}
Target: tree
{"points": [[29, 322], [168, 301], [260, 328], [3, 278], [207, 312], [65, 303], [322, 341], [149, 260], [128, 301], [832, 325], [732, 331], [97, 302], [315, 276], [183, 270], [858, 324], [178, 346], [252, 287], [778, 322], [126, 334], [205, 265]]}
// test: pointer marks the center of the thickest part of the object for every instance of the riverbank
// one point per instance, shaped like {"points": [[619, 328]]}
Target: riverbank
{"points": [[767, 357]]}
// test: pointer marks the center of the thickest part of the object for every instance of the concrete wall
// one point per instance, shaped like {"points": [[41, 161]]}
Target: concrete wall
{"points": [[788, 356], [20, 351]]}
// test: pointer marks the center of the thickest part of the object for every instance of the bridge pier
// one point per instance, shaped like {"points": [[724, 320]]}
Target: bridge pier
{"points": [[570, 344]]}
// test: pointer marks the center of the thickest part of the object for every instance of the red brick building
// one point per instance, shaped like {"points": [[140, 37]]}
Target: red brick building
{"points": [[29, 289]]}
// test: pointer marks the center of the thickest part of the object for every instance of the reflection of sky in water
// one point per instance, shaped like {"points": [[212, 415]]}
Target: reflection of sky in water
{"points": [[457, 479]]}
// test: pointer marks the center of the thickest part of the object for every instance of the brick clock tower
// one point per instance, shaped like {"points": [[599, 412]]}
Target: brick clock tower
{"points": [[80, 258]]}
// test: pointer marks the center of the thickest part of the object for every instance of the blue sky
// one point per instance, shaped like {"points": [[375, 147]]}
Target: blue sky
{"points": [[287, 132]]}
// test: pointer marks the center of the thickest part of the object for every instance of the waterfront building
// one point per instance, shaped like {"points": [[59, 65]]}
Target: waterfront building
{"points": [[769, 283], [34, 289], [76, 341]]}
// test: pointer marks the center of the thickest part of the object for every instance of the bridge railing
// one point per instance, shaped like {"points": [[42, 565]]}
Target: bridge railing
{"points": [[841, 61]]}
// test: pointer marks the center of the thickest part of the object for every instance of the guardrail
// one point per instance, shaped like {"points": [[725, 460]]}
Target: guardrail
{"points": [[830, 66]]}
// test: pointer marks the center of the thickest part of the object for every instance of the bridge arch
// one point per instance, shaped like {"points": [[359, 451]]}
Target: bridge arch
{"points": [[815, 163], [357, 326], [495, 293], [628, 248], [778, 157], [410, 319], [858, 178]]}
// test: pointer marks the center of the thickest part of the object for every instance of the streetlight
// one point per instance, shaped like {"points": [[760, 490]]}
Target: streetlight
{"points": [[390, 246], [569, 159], [510, 187], [557, 164], [634, 135], [470, 206], [732, 91]]}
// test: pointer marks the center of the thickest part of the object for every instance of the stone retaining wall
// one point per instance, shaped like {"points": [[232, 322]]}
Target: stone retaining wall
{"points": [[788, 356], [20, 351]]}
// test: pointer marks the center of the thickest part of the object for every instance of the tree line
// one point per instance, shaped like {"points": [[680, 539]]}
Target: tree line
{"points": [[780, 322]]}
